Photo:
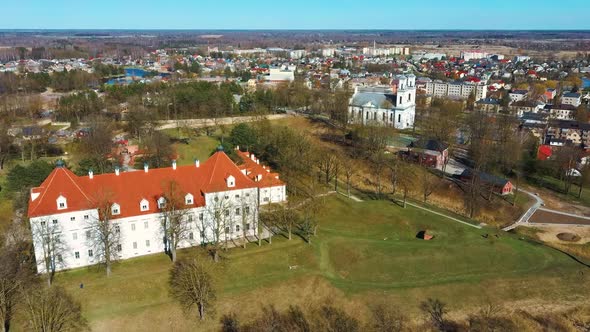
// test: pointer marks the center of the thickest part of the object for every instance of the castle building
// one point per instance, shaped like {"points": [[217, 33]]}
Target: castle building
{"points": [[393, 106], [69, 207]]}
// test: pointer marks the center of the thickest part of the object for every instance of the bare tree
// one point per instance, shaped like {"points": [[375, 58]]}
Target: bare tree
{"points": [[16, 273], [248, 216], [285, 217], [435, 311], [175, 223], [219, 213], [52, 310], [387, 319], [47, 236], [191, 284], [105, 235], [349, 167]]}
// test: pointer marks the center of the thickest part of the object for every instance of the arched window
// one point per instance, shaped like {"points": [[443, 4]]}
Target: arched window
{"points": [[161, 203], [115, 209], [189, 199], [230, 181], [144, 205], [62, 203]]}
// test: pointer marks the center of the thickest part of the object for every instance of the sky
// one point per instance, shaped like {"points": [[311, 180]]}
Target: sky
{"points": [[301, 14]]}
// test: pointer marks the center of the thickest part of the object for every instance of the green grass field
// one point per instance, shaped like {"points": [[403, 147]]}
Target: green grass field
{"points": [[364, 253]]}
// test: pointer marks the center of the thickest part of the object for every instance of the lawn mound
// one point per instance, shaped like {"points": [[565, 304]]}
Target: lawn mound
{"points": [[568, 237], [425, 235]]}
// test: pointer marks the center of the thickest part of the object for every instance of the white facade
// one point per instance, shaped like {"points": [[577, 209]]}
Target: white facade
{"points": [[456, 89], [390, 106]]}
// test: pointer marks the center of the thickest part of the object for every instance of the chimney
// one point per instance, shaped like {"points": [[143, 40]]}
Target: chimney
{"points": [[145, 167], [197, 163], [117, 171], [173, 164], [90, 174], [257, 161], [252, 157], [237, 148]]}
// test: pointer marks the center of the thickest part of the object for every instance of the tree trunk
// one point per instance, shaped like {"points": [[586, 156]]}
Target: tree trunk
{"points": [[405, 196], [289, 229], [201, 311], [173, 253]]}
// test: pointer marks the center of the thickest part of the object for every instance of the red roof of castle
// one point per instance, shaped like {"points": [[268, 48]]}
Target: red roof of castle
{"points": [[253, 169], [128, 189]]}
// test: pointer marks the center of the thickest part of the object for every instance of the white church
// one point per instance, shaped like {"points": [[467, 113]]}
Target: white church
{"points": [[392, 106], [65, 206]]}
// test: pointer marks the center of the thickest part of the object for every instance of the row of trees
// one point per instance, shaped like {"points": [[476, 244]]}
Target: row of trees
{"points": [[41, 308]]}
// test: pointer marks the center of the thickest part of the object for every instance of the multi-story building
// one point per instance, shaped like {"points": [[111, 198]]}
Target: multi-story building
{"points": [[462, 90], [393, 106], [71, 207], [572, 131], [572, 98]]}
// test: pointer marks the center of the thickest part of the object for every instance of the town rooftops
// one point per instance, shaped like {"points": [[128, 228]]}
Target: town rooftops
{"points": [[488, 101], [260, 174], [128, 189]]}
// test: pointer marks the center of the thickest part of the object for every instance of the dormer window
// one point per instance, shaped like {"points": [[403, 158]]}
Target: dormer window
{"points": [[230, 181], [115, 209], [144, 205], [161, 203], [189, 199], [62, 203]]}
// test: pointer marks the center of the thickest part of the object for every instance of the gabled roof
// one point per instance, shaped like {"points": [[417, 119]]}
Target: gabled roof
{"points": [[61, 182], [254, 169], [128, 189]]}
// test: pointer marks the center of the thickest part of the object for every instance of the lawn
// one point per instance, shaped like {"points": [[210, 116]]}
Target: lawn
{"points": [[199, 147], [364, 252]]}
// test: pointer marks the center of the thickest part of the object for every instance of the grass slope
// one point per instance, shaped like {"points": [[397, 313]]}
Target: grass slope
{"points": [[365, 252]]}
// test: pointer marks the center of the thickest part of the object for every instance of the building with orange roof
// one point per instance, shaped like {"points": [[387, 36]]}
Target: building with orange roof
{"points": [[68, 205]]}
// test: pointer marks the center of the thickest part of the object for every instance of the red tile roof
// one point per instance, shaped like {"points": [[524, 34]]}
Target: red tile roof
{"points": [[253, 169], [128, 189]]}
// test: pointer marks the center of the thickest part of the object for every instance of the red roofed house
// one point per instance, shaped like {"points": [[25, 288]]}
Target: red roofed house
{"points": [[68, 205], [544, 152]]}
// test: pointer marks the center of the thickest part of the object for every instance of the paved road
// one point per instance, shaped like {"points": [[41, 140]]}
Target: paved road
{"points": [[529, 213]]}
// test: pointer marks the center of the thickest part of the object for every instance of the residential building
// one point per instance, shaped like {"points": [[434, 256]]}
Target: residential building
{"points": [[561, 112], [462, 90], [572, 98], [430, 153], [73, 205], [393, 106], [518, 95]]}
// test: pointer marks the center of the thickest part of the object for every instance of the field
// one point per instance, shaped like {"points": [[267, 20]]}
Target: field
{"points": [[364, 253]]}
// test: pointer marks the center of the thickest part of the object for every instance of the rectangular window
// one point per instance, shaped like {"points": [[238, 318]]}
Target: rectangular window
{"points": [[248, 226], [86, 217], [237, 211], [247, 210], [144, 207], [119, 248], [117, 229], [227, 213], [43, 223], [88, 235], [132, 227], [190, 218], [72, 218], [190, 236], [237, 228], [134, 245], [90, 253], [77, 255], [145, 225], [55, 221], [237, 196], [147, 243], [227, 230], [266, 199], [75, 236], [247, 194], [202, 235], [62, 205], [226, 197], [200, 217]]}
